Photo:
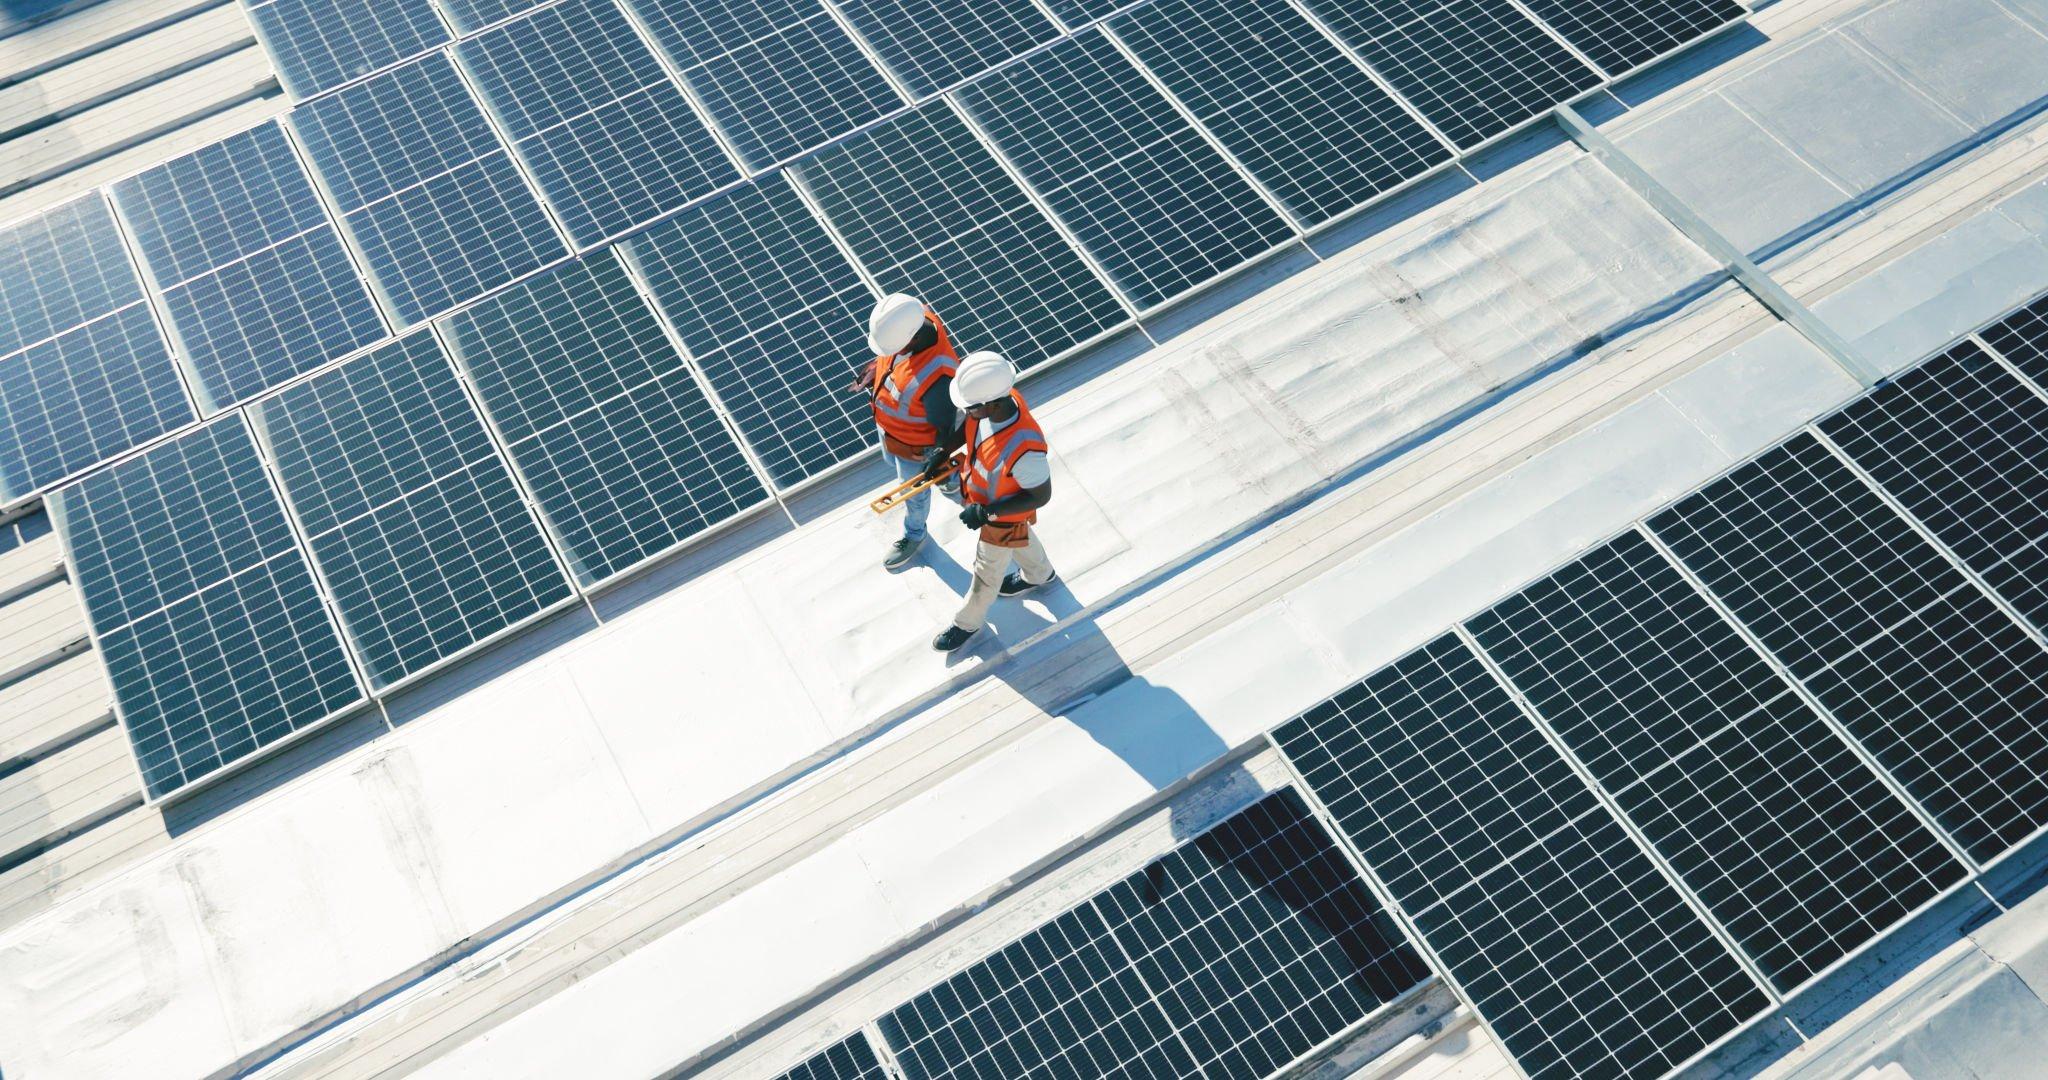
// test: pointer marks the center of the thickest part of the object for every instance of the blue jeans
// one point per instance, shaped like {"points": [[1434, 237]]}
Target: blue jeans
{"points": [[917, 509]]}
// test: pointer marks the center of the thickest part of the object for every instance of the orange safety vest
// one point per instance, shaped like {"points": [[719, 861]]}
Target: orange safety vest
{"points": [[987, 468], [900, 385]]}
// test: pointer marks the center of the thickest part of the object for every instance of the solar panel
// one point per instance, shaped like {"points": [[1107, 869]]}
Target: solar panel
{"points": [[1948, 693], [773, 315], [1622, 35], [317, 45], [470, 16], [215, 639], [62, 268], [426, 191], [415, 523], [929, 211], [609, 137], [1579, 954], [776, 76], [1231, 956], [254, 278], [930, 45], [1259, 940], [1156, 205], [1786, 836], [78, 399], [603, 420], [1312, 126], [1964, 446], [849, 1059], [1475, 68], [2022, 337]]}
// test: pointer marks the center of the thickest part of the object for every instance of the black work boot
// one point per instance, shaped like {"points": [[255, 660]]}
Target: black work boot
{"points": [[1015, 585], [900, 553], [951, 638]]}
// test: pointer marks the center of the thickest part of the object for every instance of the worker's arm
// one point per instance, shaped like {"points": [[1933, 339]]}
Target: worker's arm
{"points": [[975, 515], [940, 412]]}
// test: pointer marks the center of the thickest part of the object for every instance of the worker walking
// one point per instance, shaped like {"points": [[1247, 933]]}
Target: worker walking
{"points": [[909, 380], [1004, 479]]}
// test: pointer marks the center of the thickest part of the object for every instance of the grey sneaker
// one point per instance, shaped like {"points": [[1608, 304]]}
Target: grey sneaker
{"points": [[1015, 585], [900, 553]]}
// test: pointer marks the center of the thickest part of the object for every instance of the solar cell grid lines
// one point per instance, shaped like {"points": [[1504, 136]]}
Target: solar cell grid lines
{"points": [[1963, 446], [1313, 127], [254, 280], [1582, 957], [849, 1059], [1140, 187], [610, 139], [1785, 835], [773, 315], [621, 449], [776, 76], [1946, 691], [1622, 35], [320, 44], [214, 635], [71, 401], [60, 269], [1475, 68], [929, 211], [426, 191], [408, 509], [930, 45], [2022, 338]]}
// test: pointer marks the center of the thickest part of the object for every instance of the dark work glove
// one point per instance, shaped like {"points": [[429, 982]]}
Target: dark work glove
{"points": [[864, 378], [936, 463], [975, 516]]}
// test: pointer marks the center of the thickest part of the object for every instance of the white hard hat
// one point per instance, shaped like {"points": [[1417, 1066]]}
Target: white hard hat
{"points": [[982, 377], [896, 320]]}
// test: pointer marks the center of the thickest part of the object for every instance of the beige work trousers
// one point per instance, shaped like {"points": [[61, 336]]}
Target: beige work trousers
{"points": [[990, 564]]}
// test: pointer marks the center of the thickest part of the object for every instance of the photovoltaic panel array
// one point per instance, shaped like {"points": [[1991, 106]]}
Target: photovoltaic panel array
{"points": [[2022, 337], [84, 372], [214, 635], [929, 211], [254, 279], [412, 518], [470, 16], [1581, 956], [776, 76], [1946, 691], [1231, 956], [425, 189], [929, 45], [1155, 204], [1475, 68], [1312, 126], [317, 45], [618, 444], [1963, 445], [1622, 35], [772, 314], [609, 137], [1793, 843], [851, 1058]]}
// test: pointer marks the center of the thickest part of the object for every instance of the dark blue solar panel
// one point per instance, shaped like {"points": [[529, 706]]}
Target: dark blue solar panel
{"points": [[59, 269], [850, 1059], [255, 282], [76, 400], [610, 138], [1787, 837], [604, 421], [1582, 957], [1948, 692], [774, 317], [777, 76], [469, 16], [932, 44], [929, 211], [214, 636], [1963, 445], [1312, 126], [1622, 35], [320, 44], [1475, 68], [1149, 197], [2022, 337], [412, 517], [435, 203]]}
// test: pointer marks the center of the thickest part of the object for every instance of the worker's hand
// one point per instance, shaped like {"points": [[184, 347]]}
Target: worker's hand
{"points": [[974, 516], [864, 378], [936, 463]]}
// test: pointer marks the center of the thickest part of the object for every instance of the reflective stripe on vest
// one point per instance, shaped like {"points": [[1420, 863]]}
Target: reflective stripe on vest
{"points": [[900, 385], [989, 464]]}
